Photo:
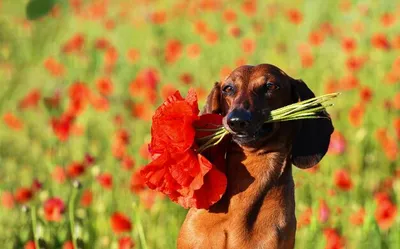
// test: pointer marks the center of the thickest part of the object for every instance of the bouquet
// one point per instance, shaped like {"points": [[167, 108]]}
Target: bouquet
{"points": [[188, 152]]}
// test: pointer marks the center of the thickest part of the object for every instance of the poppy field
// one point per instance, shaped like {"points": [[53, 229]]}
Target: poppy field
{"points": [[80, 84]]}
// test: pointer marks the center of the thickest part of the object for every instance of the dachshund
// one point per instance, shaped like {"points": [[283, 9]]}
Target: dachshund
{"points": [[257, 211]]}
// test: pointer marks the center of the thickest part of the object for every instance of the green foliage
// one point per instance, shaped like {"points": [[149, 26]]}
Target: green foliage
{"points": [[33, 152], [36, 9]]}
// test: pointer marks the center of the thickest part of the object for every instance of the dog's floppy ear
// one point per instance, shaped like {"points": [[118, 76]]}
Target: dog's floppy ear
{"points": [[213, 104], [313, 135]]}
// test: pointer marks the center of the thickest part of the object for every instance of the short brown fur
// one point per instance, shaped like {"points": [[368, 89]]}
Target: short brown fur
{"points": [[258, 207]]}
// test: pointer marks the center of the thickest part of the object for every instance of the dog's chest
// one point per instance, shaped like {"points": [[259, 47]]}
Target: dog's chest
{"points": [[226, 231]]}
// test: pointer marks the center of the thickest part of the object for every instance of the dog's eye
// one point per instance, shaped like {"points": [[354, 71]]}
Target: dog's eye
{"points": [[228, 89], [271, 86]]}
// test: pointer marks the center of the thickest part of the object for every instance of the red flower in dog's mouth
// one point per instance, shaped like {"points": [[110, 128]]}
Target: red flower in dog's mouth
{"points": [[178, 169]]}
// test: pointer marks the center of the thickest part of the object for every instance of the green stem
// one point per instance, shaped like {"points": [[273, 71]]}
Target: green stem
{"points": [[71, 209], [217, 129], [220, 132], [305, 103], [34, 222], [294, 118], [300, 112], [203, 148], [140, 230]]}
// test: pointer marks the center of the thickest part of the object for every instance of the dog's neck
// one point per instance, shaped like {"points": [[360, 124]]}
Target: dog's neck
{"points": [[258, 179]]}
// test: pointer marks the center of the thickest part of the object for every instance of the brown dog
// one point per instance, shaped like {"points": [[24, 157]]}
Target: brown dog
{"points": [[258, 207]]}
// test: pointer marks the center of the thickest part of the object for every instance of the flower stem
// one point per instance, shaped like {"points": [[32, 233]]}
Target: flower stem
{"points": [[219, 132], [34, 222], [71, 209], [213, 142], [140, 230]]}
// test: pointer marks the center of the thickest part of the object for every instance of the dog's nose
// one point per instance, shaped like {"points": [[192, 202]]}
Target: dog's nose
{"points": [[239, 120]]}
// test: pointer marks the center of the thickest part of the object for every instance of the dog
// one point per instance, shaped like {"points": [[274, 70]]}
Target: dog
{"points": [[257, 210]]}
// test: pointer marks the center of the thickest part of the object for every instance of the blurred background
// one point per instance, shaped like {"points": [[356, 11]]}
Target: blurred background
{"points": [[80, 80]]}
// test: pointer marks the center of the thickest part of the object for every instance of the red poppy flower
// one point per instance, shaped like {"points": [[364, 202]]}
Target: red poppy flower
{"points": [[355, 63], [337, 145], [200, 27], [248, 46], [211, 37], [349, 82], [55, 69], [229, 15], [396, 125], [75, 44], [137, 183], [331, 86], [30, 100], [68, 245], [295, 16], [158, 17], [357, 218], [235, 31], [385, 213], [193, 50], [388, 19], [7, 200], [104, 86], [126, 243], [356, 115], [324, 211], [304, 218], [127, 162], [120, 223], [175, 112], [99, 103], [53, 102], [122, 136], [133, 55], [105, 180], [366, 94], [102, 44], [349, 44], [396, 42], [186, 78], [173, 51], [23, 195], [388, 144], [333, 239], [59, 175], [380, 41], [316, 38], [343, 180], [307, 60], [53, 209], [36, 185], [249, 7], [62, 126], [12, 121], [109, 24], [188, 178], [75, 169], [86, 198], [30, 245], [396, 101]]}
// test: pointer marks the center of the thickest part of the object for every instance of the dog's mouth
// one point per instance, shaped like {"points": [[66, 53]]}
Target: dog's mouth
{"points": [[262, 133]]}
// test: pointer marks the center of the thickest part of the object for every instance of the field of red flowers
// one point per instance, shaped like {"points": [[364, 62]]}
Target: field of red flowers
{"points": [[78, 88]]}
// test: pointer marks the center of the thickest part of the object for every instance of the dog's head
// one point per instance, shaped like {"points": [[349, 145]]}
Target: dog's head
{"points": [[246, 98]]}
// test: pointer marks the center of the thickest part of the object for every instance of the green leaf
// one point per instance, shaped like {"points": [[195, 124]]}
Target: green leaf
{"points": [[38, 8]]}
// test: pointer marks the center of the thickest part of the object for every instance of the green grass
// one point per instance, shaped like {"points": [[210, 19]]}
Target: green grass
{"points": [[34, 151]]}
